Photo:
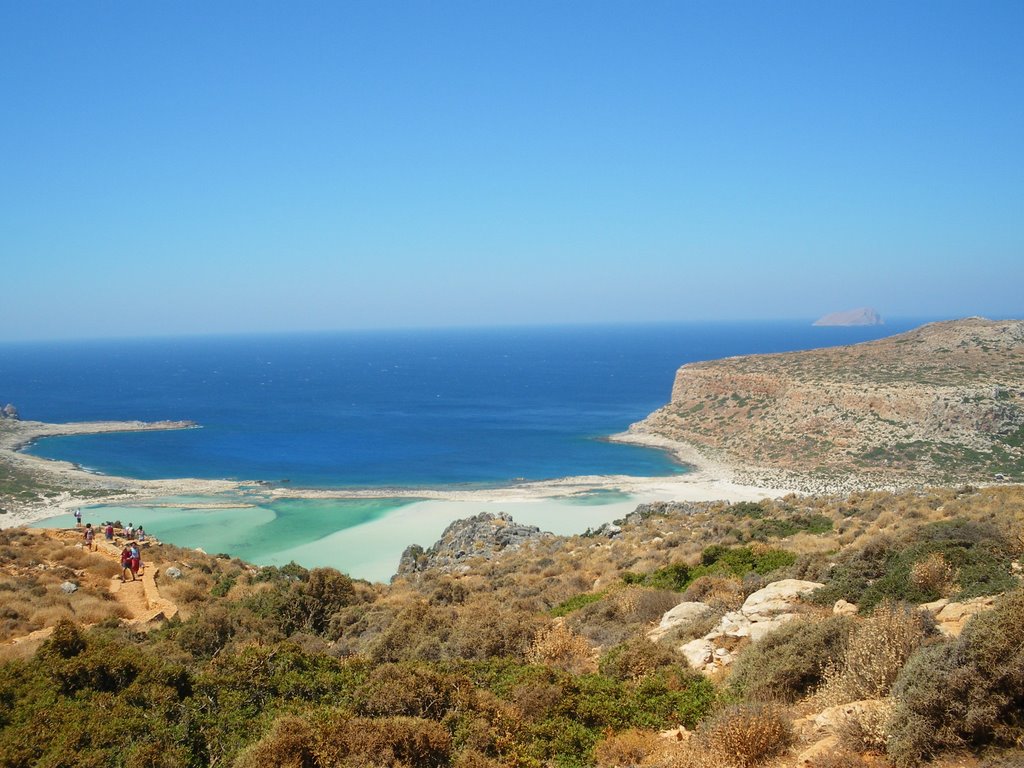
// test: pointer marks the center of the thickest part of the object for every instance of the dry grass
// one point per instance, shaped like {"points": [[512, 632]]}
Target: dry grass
{"points": [[631, 748], [745, 736]]}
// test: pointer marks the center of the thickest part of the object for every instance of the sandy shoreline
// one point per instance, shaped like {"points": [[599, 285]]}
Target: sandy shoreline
{"points": [[706, 481]]}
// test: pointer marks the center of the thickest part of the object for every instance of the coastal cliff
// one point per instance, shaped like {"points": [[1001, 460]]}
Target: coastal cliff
{"points": [[943, 402]]}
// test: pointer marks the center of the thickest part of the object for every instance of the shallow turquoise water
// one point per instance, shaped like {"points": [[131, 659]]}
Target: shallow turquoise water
{"points": [[253, 533]]}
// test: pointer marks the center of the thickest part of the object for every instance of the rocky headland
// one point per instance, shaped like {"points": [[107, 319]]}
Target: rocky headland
{"points": [[938, 404]]}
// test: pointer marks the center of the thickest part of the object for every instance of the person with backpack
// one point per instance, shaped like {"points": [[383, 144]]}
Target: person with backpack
{"points": [[108, 532], [78, 518], [90, 535]]}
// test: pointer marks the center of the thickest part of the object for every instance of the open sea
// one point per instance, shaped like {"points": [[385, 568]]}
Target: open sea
{"points": [[394, 409]]}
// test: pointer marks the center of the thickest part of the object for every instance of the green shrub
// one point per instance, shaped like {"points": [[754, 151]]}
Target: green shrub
{"points": [[576, 602], [716, 560], [966, 691], [791, 662], [977, 553]]}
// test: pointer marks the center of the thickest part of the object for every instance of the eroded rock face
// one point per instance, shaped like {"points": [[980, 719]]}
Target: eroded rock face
{"points": [[950, 617], [485, 536]]}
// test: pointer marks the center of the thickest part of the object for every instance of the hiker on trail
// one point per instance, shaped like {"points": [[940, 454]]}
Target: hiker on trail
{"points": [[90, 534], [136, 561], [129, 532], [126, 563], [109, 532], [78, 518], [140, 534]]}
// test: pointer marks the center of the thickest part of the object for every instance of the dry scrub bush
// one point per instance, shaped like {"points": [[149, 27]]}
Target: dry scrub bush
{"points": [[629, 748], [356, 742], [720, 592], [745, 736], [876, 652], [289, 744], [965, 692], [932, 574], [622, 614], [558, 646], [338, 740], [865, 729], [638, 658]]}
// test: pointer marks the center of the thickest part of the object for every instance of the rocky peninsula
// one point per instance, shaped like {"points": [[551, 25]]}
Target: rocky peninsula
{"points": [[939, 404]]}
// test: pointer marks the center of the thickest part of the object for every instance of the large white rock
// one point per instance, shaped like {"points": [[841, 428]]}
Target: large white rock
{"points": [[777, 598], [697, 652], [759, 629], [682, 614]]}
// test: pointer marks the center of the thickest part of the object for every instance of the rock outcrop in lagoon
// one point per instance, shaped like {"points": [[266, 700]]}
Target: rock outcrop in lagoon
{"points": [[482, 536]]}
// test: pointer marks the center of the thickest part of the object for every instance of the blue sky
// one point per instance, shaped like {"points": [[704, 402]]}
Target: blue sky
{"points": [[251, 166]]}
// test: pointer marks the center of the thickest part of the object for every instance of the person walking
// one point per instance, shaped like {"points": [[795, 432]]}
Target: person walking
{"points": [[78, 518], [136, 561], [108, 532], [90, 536], [126, 563]]}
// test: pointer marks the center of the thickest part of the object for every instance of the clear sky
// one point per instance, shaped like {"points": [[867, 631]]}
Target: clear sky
{"points": [[206, 167]]}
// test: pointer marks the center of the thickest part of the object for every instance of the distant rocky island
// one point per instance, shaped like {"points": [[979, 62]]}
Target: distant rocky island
{"points": [[860, 316], [941, 403]]}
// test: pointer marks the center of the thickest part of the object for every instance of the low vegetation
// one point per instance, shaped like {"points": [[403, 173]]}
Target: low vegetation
{"points": [[539, 657]]}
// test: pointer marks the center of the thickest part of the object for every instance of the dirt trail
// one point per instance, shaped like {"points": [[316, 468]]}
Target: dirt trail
{"points": [[141, 598]]}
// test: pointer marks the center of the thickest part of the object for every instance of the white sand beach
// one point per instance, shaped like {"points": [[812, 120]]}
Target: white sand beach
{"points": [[371, 550]]}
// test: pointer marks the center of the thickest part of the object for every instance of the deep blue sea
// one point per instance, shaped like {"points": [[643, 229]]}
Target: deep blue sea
{"points": [[395, 409]]}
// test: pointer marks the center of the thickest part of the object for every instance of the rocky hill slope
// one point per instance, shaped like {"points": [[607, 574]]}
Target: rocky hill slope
{"points": [[941, 403]]}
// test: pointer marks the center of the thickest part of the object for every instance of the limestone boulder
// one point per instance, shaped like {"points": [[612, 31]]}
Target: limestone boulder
{"points": [[777, 598], [844, 608], [680, 615], [698, 652]]}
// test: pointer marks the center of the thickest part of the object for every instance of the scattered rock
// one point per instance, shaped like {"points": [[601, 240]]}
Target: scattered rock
{"points": [[684, 613], [951, 618], [777, 598], [817, 750], [697, 652], [68, 587], [934, 607], [844, 608], [828, 720], [174, 573], [761, 614]]}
